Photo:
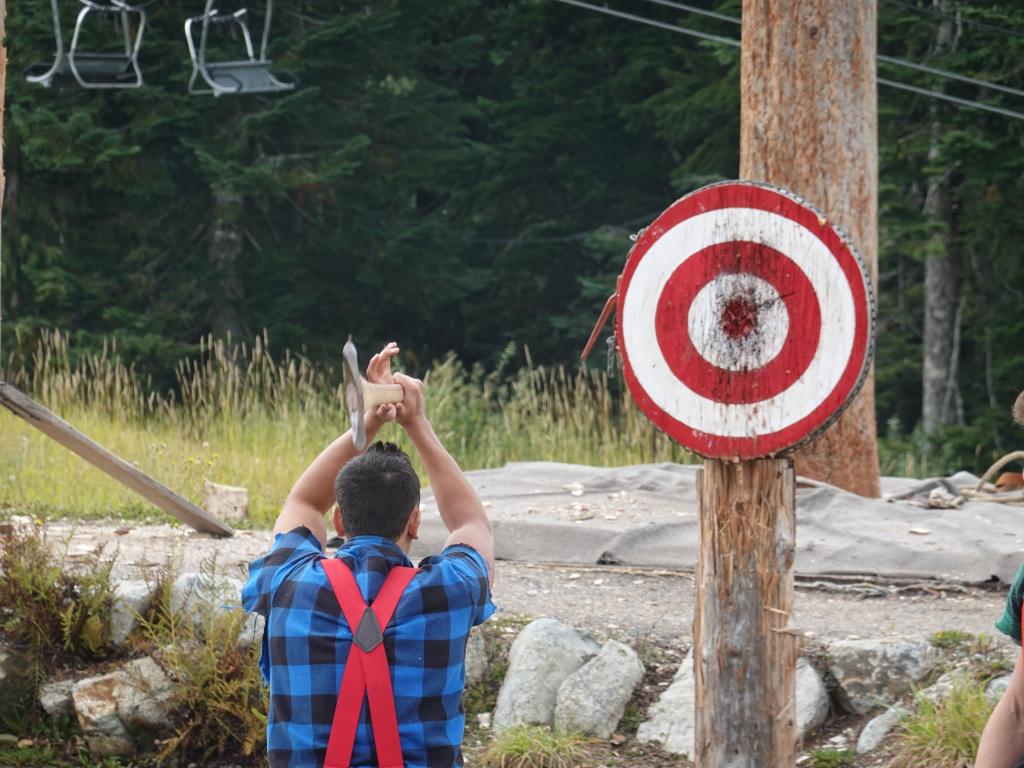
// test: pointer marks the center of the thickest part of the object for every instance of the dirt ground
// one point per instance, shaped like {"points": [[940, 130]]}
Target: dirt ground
{"points": [[628, 603]]}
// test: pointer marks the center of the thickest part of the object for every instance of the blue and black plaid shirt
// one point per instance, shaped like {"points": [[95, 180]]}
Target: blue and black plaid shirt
{"points": [[306, 643]]}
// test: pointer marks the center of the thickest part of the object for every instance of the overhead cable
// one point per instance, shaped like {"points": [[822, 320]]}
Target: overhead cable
{"points": [[736, 44], [887, 59], [960, 19]]}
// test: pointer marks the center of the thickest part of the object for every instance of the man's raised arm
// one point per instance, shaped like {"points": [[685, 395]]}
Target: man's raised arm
{"points": [[313, 493], [461, 510]]}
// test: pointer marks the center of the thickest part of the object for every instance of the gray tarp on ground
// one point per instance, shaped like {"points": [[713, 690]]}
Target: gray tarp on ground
{"points": [[646, 515]]}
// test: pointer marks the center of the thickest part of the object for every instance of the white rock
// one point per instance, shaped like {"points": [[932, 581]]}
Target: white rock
{"points": [[251, 632], [192, 594], [55, 698], [226, 502], [541, 658], [476, 657], [114, 708], [131, 600], [670, 720], [997, 687], [878, 728], [592, 699], [812, 704], [940, 689], [873, 672]]}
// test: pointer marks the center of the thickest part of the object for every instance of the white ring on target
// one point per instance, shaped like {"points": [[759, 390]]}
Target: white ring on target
{"points": [[673, 248], [753, 350]]}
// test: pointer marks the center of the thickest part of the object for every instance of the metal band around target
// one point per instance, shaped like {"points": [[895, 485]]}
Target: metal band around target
{"points": [[746, 321]]}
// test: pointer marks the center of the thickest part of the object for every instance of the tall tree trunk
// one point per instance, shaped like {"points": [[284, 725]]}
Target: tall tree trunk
{"points": [[809, 124], [225, 252], [941, 272]]}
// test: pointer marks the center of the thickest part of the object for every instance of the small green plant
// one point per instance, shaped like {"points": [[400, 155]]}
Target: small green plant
{"points": [[50, 613], [219, 696], [832, 758], [945, 734], [948, 639], [534, 746]]}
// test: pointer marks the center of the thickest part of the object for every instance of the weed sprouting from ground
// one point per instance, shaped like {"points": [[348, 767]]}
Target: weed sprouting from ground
{"points": [[534, 746], [50, 614], [832, 758], [219, 696], [945, 734], [948, 639]]}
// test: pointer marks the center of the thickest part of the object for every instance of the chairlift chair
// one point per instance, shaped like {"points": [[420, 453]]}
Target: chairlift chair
{"points": [[95, 70], [249, 75]]}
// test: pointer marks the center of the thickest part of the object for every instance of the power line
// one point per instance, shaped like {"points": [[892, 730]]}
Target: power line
{"points": [[953, 99], [887, 59], [891, 83], [653, 23], [961, 19]]}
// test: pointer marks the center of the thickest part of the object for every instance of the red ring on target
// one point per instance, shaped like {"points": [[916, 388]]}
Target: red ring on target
{"points": [[685, 311], [739, 319]]}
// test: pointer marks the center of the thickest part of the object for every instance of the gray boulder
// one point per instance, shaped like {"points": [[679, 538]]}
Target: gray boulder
{"points": [[55, 698], [123, 706], [873, 672], [812, 703], [997, 687], [544, 654], [670, 720], [878, 728], [131, 600], [476, 657], [593, 698], [941, 688]]}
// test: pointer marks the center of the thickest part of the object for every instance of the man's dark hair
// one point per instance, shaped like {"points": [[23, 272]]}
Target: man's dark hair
{"points": [[377, 492]]}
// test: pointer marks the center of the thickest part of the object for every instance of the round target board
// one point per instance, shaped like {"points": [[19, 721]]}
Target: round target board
{"points": [[746, 321]]}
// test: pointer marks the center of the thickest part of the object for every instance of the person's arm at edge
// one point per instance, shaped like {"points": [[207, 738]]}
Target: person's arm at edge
{"points": [[1002, 741], [461, 510]]}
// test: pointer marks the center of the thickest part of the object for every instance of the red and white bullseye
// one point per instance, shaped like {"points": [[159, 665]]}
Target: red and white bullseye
{"points": [[744, 321]]}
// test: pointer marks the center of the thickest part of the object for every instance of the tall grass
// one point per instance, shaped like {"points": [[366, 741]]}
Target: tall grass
{"points": [[240, 415]]}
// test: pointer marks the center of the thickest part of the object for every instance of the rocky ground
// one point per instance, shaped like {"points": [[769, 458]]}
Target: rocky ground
{"points": [[648, 609]]}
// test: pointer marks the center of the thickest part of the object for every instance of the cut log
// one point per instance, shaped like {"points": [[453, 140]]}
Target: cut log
{"points": [[59, 430]]}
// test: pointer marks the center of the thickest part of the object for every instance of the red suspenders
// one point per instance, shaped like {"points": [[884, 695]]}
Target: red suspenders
{"points": [[366, 671]]}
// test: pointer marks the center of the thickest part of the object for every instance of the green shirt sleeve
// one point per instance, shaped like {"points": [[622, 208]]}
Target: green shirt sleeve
{"points": [[1009, 622]]}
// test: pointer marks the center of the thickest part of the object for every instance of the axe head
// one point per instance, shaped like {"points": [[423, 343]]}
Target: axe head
{"points": [[353, 385]]}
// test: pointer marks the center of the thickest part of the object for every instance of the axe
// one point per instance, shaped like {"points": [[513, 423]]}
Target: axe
{"points": [[361, 394]]}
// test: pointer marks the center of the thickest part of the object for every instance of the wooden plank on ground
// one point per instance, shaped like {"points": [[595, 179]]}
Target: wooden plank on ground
{"points": [[59, 430]]}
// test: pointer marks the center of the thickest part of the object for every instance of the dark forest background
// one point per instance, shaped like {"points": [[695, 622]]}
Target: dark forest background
{"points": [[463, 174]]}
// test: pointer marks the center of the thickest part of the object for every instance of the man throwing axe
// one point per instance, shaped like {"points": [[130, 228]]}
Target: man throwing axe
{"points": [[365, 654]]}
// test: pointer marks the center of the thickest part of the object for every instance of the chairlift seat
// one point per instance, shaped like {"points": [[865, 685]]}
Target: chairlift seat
{"points": [[245, 77], [97, 68]]}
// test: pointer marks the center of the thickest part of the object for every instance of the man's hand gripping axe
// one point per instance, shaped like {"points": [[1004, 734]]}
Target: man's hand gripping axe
{"points": [[360, 394]]}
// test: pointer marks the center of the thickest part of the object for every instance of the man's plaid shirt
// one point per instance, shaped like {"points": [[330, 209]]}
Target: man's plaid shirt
{"points": [[306, 643]]}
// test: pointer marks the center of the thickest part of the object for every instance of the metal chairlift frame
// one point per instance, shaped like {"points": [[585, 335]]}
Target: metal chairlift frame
{"points": [[209, 71], [129, 59]]}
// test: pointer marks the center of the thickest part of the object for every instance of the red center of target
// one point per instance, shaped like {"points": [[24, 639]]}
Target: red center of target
{"points": [[739, 318]]}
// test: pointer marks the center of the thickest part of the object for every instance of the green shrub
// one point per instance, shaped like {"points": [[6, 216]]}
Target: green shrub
{"points": [[948, 639], [534, 746], [832, 758], [945, 735], [219, 697], [49, 613]]}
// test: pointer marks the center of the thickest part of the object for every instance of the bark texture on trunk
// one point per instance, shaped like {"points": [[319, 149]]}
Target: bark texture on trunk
{"points": [[941, 274], [809, 124], [225, 253], [744, 655]]}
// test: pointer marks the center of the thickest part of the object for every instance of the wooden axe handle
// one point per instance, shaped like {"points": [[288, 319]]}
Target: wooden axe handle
{"points": [[379, 394]]}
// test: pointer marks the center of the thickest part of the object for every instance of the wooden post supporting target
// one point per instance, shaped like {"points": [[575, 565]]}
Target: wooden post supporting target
{"points": [[746, 324]]}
